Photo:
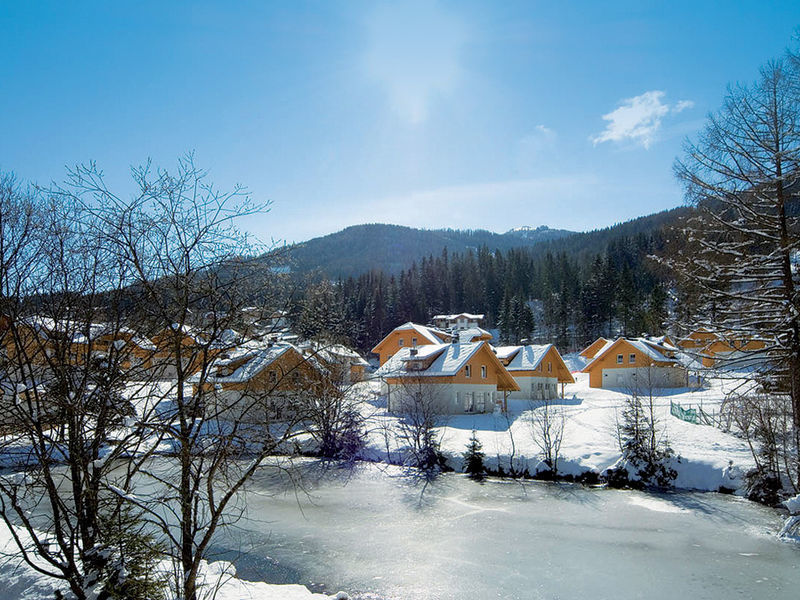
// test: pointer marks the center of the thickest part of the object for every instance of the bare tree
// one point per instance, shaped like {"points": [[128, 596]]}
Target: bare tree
{"points": [[64, 398], [421, 409], [765, 422], [513, 470], [333, 414], [739, 260], [192, 273], [547, 421]]}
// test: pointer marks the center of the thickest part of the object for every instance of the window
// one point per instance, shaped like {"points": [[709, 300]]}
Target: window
{"points": [[273, 377], [619, 359], [549, 367], [631, 358], [483, 371], [467, 371], [413, 341], [469, 402], [400, 342]]}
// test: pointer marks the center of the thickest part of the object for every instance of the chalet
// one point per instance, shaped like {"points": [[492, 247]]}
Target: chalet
{"points": [[537, 369], [636, 363], [456, 322], [592, 349], [716, 349], [195, 349], [452, 378], [408, 335], [473, 334], [35, 340], [344, 364], [257, 383], [130, 351]]}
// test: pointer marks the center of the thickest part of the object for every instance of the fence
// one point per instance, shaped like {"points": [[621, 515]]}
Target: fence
{"points": [[697, 416]]}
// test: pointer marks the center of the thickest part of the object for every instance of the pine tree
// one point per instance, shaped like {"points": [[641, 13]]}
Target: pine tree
{"points": [[473, 459]]}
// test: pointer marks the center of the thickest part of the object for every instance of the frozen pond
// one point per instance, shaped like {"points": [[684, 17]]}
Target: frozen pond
{"points": [[375, 535]]}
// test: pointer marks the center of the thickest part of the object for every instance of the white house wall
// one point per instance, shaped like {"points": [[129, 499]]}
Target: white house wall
{"points": [[258, 409], [642, 378], [449, 399], [530, 388]]}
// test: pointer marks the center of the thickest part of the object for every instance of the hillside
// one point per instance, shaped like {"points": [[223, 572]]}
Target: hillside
{"points": [[391, 248], [582, 246]]}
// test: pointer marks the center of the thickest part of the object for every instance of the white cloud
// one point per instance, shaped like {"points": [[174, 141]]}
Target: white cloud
{"points": [[414, 52], [638, 119]]}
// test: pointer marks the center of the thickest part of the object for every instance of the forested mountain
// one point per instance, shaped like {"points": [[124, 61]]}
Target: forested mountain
{"points": [[568, 290], [392, 248]]}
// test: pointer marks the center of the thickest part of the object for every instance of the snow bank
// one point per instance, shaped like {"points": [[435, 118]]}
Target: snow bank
{"points": [[793, 505], [232, 588], [709, 458], [22, 582]]}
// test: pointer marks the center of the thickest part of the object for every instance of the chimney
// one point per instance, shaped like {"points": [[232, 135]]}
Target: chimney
{"points": [[454, 340], [412, 351]]}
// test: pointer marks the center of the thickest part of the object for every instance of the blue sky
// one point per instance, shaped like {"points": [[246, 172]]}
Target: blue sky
{"points": [[430, 114]]}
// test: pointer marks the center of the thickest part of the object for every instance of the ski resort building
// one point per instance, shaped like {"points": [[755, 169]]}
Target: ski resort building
{"points": [[592, 349], [258, 383], [196, 350], [636, 364], [459, 321], [452, 378], [537, 369], [344, 364], [715, 349], [408, 335]]}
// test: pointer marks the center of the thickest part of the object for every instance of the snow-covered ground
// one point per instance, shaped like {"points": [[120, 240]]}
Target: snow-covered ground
{"points": [[20, 581], [709, 457]]}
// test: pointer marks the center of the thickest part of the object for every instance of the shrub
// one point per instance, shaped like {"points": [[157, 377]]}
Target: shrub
{"points": [[473, 459]]}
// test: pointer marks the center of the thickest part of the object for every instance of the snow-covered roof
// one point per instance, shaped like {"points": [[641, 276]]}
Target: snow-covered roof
{"points": [[144, 343], [255, 356], [469, 334], [526, 358], [425, 331], [661, 341], [226, 338], [504, 352], [334, 353], [601, 352], [653, 350], [647, 347], [450, 360], [423, 352]]}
